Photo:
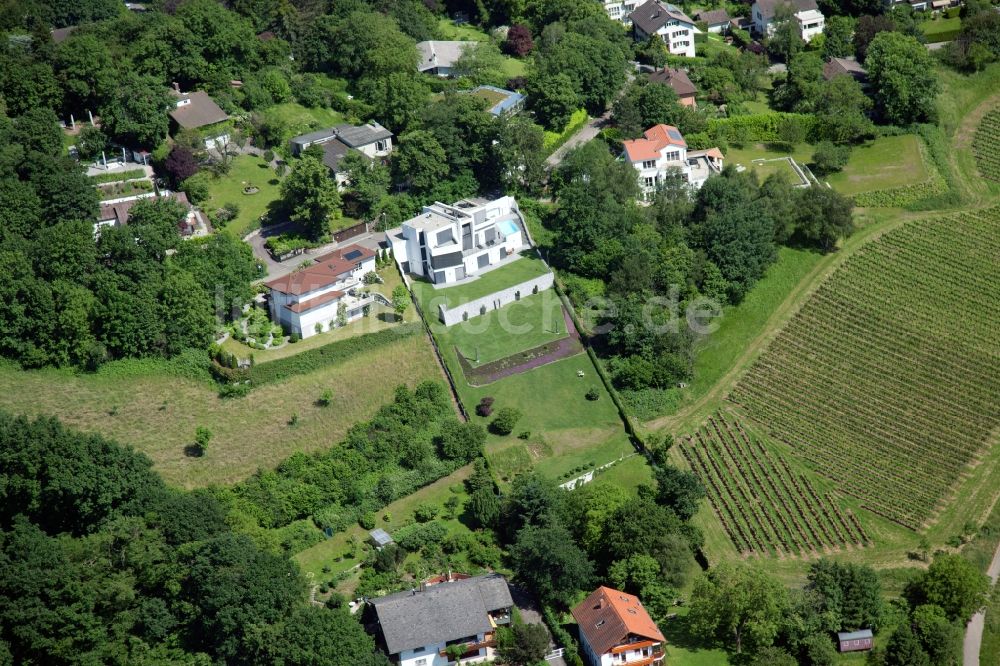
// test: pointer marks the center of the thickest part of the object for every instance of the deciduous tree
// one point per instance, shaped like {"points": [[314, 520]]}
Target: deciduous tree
{"points": [[311, 196]]}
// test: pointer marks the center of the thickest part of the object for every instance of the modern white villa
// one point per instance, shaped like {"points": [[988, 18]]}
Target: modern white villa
{"points": [[417, 627], [808, 18], [668, 22], [663, 151], [449, 243], [308, 301]]}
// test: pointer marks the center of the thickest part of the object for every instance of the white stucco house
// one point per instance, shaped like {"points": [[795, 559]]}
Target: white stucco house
{"points": [[620, 10], [438, 57], [616, 630], [371, 140], [809, 20], [449, 243], [662, 151], [416, 627], [310, 298], [673, 26]]}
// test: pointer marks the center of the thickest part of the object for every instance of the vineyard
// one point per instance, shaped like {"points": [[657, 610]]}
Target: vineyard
{"points": [[763, 506], [986, 145], [887, 380]]}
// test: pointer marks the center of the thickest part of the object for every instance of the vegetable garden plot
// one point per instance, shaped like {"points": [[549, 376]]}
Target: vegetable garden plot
{"points": [[986, 145]]}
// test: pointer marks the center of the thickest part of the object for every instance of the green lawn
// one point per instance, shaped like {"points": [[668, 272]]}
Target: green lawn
{"points": [[300, 119], [157, 411], [942, 29], [450, 31], [889, 161], [527, 267], [802, 153], [525, 324], [228, 189]]}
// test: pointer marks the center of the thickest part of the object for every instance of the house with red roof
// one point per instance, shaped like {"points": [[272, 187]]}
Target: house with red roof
{"points": [[662, 152], [616, 630], [309, 301]]}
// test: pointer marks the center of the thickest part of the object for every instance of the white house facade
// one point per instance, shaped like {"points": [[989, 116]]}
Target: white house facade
{"points": [[616, 630], [417, 627], [371, 140], [669, 23], [449, 243], [808, 19], [620, 10], [662, 152], [309, 301]]}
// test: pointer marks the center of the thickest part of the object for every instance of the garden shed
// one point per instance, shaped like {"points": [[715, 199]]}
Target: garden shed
{"points": [[854, 641], [380, 538]]}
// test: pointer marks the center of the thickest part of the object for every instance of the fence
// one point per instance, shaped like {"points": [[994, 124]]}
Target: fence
{"points": [[350, 232], [494, 301]]}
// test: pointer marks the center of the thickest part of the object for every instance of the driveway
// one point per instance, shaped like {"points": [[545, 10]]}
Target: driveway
{"points": [[974, 632], [527, 606], [582, 136]]}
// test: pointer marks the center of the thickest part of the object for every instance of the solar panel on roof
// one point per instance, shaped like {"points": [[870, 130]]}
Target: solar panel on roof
{"points": [[674, 134], [353, 254]]}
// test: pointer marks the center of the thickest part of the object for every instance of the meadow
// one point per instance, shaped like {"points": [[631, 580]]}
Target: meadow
{"points": [[157, 411]]}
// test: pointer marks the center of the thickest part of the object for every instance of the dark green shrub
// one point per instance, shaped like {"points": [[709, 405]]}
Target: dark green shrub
{"points": [[505, 420]]}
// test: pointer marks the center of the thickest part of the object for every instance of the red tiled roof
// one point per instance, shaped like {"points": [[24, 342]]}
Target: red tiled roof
{"points": [[311, 303], [656, 139], [608, 618], [326, 271]]}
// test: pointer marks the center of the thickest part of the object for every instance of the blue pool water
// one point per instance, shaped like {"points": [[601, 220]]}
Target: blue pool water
{"points": [[507, 227]]}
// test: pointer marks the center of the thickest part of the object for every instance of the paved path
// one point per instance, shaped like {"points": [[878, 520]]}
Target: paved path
{"points": [[974, 632], [582, 136]]}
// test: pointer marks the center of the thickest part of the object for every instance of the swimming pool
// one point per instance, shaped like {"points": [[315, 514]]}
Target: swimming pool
{"points": [[508, 227]]}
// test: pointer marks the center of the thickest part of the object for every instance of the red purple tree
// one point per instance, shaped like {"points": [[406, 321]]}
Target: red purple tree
{"points": [[180, 164], [519, 42]]}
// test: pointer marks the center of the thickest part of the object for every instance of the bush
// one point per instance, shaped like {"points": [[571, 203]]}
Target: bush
{"points": [[268, 155], [196, 187], [414, 537], [485, 406], [524, 435], [505, 420], [325, 398], [367, 521], [593, 393], [426, 512], [762, 127], [829, 157]]}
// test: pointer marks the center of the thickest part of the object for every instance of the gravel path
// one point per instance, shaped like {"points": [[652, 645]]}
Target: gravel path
{"points": [[974, 632]]}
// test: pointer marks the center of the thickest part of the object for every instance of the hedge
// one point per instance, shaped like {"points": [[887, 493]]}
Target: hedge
{"points": [[757, 127], [335, 352], [562, 637], [551, 141]]}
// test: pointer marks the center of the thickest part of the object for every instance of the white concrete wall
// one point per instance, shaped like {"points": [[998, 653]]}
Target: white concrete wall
{"points": [[495, 301]]}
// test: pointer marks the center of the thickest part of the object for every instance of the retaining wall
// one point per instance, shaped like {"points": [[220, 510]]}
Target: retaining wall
{"points": [[495, 301]]}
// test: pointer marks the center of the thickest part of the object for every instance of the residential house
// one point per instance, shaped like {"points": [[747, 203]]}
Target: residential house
{"points": [[371, 140], [716, 20], [307, 301], [620, 10], [845, 67], [449, 243], [616, 630], [662, 151], [438, 57], [417, 627], [808, 19], [673, 26], [502, 102], [115, 213], [854, 641], [679, 81], [197, 111]]}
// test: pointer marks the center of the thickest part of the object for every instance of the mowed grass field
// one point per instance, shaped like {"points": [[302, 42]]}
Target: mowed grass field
{"points": [[158, 412], [885, 381]]}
